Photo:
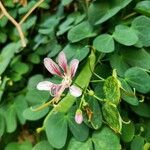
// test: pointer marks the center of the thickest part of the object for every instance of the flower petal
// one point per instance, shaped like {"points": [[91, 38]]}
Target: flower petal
{"points": [[44, 85], [78, 117], [55, 89], [52, 67], [73, 66], [62, 61], [75, 91]]}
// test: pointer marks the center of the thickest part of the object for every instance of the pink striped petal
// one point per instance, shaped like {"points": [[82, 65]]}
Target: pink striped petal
{"points": [[52, 67], [73, 66], [62, 61], [75, 91], [44, 85], [55, 89]]}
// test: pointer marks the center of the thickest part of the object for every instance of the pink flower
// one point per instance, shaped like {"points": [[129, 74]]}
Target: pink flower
{"points": [[63, 70], [78, 116]]}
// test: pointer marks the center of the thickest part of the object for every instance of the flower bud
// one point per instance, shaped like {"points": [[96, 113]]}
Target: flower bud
{"points": [[78, 116]]}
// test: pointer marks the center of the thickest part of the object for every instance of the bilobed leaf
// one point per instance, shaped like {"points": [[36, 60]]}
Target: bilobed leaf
{"points": [[56, 129], [105, 139], [112, 90], [138, 79], [79, 131], [125, 35], [104, 43], [141, 25], [80, 32], [76, 145], [112, 116], [127, 132]]}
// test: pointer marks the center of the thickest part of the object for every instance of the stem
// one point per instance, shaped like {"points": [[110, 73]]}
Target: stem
{"points": [[4, 11], [31, 10], [130, 15], [44, 105], [101, 100]]}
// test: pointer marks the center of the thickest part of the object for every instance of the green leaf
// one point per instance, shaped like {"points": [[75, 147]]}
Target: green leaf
{"points": [[81, 31], [7, 54], [112, 90], [42, 145], [143, 7], [10, 118], [125, 35], [112, 116], [79, 131], [136, 57], [66, 2], [127, 94], [117, 62], [33, 81], [34, 58], [77, 51], [138, 79], [141, 25], [96, 120], [37, 97], [104, 43], [20, 68], [2, 125], [56, 129], [142, 109], [137, 143], [2, 86], [20, 105], [106, 139], [100, 12], [12, 146], [127, 132], [3, 37], [76, 145], [30, 114]]}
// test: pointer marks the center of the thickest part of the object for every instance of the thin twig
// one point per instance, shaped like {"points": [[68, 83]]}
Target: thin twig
{"points": [[30, 11], [4, 11]]}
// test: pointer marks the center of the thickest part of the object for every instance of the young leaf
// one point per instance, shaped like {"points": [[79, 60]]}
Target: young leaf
{"points": [[112, 116], [112, 90]]}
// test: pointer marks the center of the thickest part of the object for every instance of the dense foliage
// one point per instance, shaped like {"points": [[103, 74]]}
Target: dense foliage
{"points": [[111, 39]]}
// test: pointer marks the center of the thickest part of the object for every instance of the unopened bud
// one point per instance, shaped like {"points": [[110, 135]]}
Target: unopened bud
{"points": [[91, 92], [78, 116]]}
